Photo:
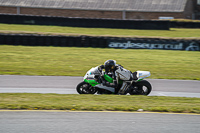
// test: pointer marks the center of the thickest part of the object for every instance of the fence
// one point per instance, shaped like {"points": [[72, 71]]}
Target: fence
{"points": [[185, 24], [100, 42], [84, 22], [96, 23]]}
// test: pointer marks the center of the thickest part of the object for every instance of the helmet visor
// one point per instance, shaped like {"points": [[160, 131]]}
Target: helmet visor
{"points": [[109, 68]]}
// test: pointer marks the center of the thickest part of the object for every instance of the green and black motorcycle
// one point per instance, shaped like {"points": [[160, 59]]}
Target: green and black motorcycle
{"points": [[93, 83]]}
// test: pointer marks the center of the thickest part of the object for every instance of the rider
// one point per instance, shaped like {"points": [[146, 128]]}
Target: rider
{"points": [[116, 72]]}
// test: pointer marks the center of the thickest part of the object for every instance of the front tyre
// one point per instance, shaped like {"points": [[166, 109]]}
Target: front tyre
{"points": [[141, 88], [85, 88]]}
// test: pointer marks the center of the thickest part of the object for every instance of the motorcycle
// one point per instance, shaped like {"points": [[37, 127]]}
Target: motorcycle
{"points": [[92, 83]]}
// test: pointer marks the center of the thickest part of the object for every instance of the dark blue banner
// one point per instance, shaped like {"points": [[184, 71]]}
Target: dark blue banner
{"points": [[165, 45]]}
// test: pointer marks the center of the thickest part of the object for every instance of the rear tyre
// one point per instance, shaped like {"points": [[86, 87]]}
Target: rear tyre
{"points": [[141, 88], [85, 88]]}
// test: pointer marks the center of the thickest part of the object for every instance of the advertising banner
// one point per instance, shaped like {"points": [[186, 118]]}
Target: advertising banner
{"points": [[100, 42], [151, 44]]}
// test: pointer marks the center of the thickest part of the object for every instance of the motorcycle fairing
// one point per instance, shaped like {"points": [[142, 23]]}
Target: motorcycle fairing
{"points": [[106, 88], [108, 78], [92, 82]]}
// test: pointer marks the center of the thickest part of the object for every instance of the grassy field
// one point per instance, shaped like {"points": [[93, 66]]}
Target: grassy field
{"points": [[172, 33], [70, 61], [71, 102]]}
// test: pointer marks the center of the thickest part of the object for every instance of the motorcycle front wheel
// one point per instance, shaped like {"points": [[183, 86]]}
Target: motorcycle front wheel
{"points": [[85, 88], [141, 88]]}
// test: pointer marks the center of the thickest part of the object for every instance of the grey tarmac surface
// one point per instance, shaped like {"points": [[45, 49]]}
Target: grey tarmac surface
{"points": [[93, 122], [67, 85], [96, 122]]}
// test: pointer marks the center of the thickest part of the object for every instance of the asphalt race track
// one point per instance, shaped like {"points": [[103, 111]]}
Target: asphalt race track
{"points": [[67, 85], [94, 122]]}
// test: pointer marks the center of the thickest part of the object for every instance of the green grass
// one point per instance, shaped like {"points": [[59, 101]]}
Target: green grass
{"points": [[172, 33], [70, 61], [74, 102]]}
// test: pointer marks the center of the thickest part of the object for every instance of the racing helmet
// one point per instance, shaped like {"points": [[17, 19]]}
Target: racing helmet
{"points": [[109, 65]]}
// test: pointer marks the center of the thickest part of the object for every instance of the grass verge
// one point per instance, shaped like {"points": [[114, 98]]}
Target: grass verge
{"points": [[70, 61], [26, 101], [172, 33]]}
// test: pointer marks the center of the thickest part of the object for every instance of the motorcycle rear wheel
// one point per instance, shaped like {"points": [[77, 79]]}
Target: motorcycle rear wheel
{"points": [[141, 88], [85, 88]]}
